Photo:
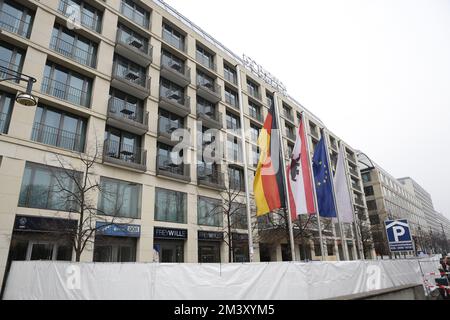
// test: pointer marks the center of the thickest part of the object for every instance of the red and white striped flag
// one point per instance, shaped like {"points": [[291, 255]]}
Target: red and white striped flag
{"points": [[300, 184]]}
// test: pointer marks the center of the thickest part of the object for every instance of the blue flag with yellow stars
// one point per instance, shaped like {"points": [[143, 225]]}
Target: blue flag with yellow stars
{"points": [[323, 181]]}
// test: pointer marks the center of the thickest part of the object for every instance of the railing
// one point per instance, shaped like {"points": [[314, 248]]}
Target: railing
{"points": [[128, 40], [288, 115], [5, 70], [254, 93], [206, 62], [290, 135], [213, 87], [183, 100], [127, 110], [63, 91], [71, 51], [314, 132], [134, 15], [359, 202], [236, 184], [57, 137], [125, 152], [179, 68], [128, 75], [212, 176], [165, 163], [353, 171], [216, 115], [230, 77], [256, 115], [173, 41], [68, 10], [4, 119], [15, 25], [167, 129]]}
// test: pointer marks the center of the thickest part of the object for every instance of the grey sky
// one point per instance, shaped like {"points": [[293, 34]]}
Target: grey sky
{"points": [[376, 72]]}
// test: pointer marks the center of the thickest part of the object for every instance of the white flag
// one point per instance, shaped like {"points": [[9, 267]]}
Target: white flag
{"points": [[343, 199]]}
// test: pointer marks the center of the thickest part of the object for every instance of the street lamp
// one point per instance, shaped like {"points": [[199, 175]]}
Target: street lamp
{"points": [[24, 98]]}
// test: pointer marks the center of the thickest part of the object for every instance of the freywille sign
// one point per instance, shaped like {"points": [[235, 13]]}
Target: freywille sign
{"points": [[169, 233], [264, 74]]}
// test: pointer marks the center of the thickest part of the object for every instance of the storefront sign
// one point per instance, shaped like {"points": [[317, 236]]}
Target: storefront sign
{"points": [[170, 233], [31, 223], [210, 235], [118, 230], [239, 236]]}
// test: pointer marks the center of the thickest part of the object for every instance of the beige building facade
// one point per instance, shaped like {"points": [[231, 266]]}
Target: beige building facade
{"points": [[115, 78]]}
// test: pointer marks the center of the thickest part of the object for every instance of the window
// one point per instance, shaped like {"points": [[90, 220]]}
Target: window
{"points": [[317, 249], [6, 107], [253, 89], [123, 145], [231, 97], [131, 38], [59, 129], [10, 58], [90, 17], [374, 219], [130, 71], [48, 187], [229, 74], [236, 178], [170, 206], [238, 216], [165, 162], [205, 57], [119, 198], [233, 122], [368, 191], [289, 131], [67, 85], [234, 149], [135, 13], [254, 154], [254, 132], [209, 212], [114, 249], [171, 91], [206, 107], [269, 99], [125, 105], [330, 248], [371, 205], [15, 18], [173, 37], [73, 46], [205, 80], [287, 111], [366, 176], [168, 122], [254, 110], [172, 61]]}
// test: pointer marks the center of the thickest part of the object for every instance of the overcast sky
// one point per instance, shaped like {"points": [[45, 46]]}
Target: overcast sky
{"points": [[376, 72]]}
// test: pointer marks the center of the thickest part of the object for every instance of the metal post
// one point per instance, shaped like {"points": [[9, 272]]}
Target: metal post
{"points": [[244, 155], [283, 170]]}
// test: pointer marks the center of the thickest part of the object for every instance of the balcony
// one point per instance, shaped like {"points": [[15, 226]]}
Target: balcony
{"points": [[124, 155], [134, 15], [255, 95], [130, 81], [165, 132], [92, 21], [173, 41], [166, 167], [207, 63], [288, 116], [174, 102], [209, 118], [72, 52], [4, 122], [14, 25], [257, 116], [63, 91], [135, 49], [57, 137], [290, 135], [209, 91], [176, 72], [127, 116], [211, 178]]}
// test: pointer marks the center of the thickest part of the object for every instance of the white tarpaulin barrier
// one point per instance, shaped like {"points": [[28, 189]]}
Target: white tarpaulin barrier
{"points": [[274, 280]]}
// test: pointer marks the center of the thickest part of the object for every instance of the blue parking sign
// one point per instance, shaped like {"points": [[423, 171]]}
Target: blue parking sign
{"points": [[399, 235]]}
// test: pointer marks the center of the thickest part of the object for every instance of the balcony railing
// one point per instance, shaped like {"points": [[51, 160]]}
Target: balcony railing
{"points": [[210, 116], [254, 94], [257, 116], [57, 137], [127, 110], [134, 43], [359, 202], [209, 91], [206, 62], [182, 69], [5, 70], [314, 132], [166, 167], [124, 154], [134, 15], [63, 91], [210, 177], [232, 78], [353, 171], [4, 122], [129, 75], [15, 25], [71, 51], [290, 135], [91, 22], [288, 115], [173, 41]]}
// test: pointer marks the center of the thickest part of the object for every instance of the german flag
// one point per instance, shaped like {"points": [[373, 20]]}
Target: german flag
{"points": [[268, 185]]}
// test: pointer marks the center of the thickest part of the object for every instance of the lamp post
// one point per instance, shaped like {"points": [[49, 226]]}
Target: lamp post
{"points": [[24, 98]]}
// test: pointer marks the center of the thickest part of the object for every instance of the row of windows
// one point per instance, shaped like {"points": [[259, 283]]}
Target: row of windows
{"points": [[54, 188]]}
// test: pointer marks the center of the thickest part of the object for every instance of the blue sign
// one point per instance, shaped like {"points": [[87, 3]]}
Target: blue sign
{"points": [[399, 235], [118, 230]]}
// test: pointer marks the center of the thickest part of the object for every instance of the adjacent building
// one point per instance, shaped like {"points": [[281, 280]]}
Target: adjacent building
{"points": [[115, 80]]}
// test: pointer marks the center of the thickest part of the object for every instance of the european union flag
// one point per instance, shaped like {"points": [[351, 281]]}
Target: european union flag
{"points": [[323, 181]]}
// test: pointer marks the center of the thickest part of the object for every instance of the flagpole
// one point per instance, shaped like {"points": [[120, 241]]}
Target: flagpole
{"points": [[355, 217], [344, 242], [283, 170], [319, 226], [244, 155]]}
